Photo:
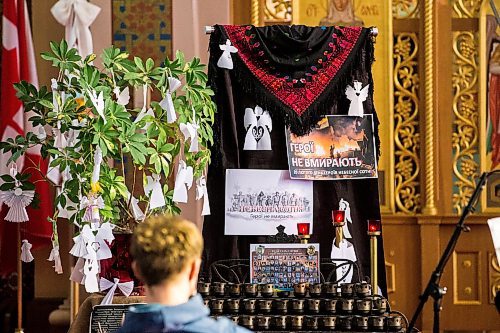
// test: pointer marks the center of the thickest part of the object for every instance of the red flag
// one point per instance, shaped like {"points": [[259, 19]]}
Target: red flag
{"points": [[18, 63]]}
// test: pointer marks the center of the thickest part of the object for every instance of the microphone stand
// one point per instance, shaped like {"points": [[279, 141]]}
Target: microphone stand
{"points": [[433, 288]]}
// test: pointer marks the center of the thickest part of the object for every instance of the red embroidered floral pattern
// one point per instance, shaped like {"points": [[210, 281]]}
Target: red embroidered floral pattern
{"points": [[296, 93]]}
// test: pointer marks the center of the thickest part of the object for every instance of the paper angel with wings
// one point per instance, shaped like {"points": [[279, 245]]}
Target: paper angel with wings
{"points": [[17, 200], [345, 206], [183, 182], [225, 60], [190, 131], [167, 102], [258, 125], [154, 191], [202, 192], [357, 96]]}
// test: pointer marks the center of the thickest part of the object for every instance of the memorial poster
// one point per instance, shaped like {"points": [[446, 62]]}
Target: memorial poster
{"points": [[284, 264], [108, 318], [258, 201], [339, 147]]}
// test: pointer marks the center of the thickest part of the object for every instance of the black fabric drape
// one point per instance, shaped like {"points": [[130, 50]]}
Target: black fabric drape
{"points": [[283, 56]]}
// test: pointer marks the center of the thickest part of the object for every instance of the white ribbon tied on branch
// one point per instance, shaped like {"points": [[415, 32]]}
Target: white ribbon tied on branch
{"points": [[77, 16], [125, 287]]}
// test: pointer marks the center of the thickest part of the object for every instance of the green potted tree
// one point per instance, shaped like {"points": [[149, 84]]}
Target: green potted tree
{"points": [[110, 162]]}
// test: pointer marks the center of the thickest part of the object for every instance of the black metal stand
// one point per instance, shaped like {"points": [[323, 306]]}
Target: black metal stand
{"points": [[433, 288]]}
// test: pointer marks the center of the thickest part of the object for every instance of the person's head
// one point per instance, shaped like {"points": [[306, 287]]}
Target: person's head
{"points": [[167, 250]]}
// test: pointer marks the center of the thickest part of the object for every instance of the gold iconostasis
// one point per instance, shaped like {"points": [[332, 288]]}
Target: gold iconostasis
{"points": [[436, 83]]}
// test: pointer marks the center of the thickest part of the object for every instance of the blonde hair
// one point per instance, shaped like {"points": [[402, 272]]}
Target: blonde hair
{"points": [[162, 246]]}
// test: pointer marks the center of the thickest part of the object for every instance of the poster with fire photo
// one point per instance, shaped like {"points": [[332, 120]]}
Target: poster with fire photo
{"points": [[339, 147], [258, 201]]}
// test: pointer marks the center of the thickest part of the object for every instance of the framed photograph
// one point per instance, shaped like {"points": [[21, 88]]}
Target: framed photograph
{"points": [[258, 201], [284, 264]]}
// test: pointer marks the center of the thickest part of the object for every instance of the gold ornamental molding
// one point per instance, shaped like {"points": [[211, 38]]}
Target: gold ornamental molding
{"points": [[466, 8], [404, 9], [493, 277], [277, 11], [465, 137], [430, 159], [406, 123], [255, 12]]}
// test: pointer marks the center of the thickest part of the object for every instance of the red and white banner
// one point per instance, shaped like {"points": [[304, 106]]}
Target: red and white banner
{"points": [[18, 63]]}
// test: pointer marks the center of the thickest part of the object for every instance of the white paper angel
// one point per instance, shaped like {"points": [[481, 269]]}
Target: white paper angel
{"points": [[77, 273], [137, 212], [258, 126], [202, 192], [97, 239], [225, 60], [125, 287], [144, 111], [98, 101], [79, 249], [344, 251], [17, 200], [56, 257], [26, 255], [183, 182], [344, 205], [190, 131], [91, 204], [154, 191], [357, 96], [122, 97], [167, 103]]}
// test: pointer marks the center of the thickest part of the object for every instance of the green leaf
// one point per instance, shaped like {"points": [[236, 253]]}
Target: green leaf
{"points": [[7, 178]]}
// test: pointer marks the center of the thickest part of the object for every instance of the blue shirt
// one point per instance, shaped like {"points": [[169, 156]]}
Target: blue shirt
{"points": [[192, 316]]}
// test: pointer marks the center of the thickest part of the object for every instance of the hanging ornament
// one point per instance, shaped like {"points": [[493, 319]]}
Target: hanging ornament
{"points": [[144, 111], [79, 249], [91, 203], [154, 191], [17, 199], [98, 101], [122, 97], [26, 255], [225, 60], [190, 131], [357, 96], [55, 257], [134, 207], [77, 271], [167, 103], [125, 287], [183, 182], [202, 192]]}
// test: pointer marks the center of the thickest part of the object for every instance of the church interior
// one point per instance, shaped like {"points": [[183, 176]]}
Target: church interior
{"points": [[433, 77]]}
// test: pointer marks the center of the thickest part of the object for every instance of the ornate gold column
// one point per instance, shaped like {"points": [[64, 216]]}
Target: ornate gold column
{"points": [[430, 160], [255, 12]]}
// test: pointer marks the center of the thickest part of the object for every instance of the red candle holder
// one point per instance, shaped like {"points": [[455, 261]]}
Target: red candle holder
{"points": [[338, 218], [303, 232], [303, 228], [374, 227]]}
